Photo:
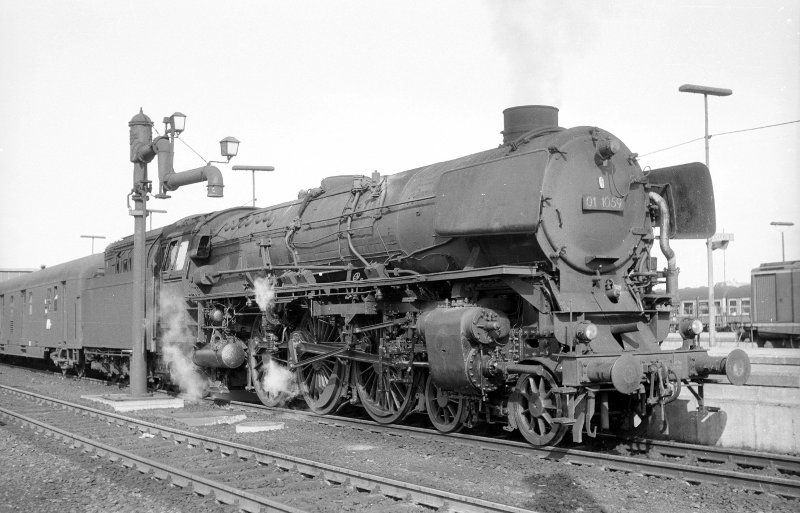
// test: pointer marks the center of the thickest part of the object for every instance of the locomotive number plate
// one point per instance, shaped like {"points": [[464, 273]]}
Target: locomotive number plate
{"points": [[605, 202]]}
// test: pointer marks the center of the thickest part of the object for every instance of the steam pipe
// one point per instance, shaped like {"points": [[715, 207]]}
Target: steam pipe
{"points": [[663, 240], [349, 237]]}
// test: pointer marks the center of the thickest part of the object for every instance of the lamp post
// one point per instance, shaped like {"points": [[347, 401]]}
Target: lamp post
{"points": [[253, 169], [93, 237], [706, 91], [782, 226], [143, 149]]}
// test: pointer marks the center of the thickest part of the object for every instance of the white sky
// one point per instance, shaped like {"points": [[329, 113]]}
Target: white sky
{"points": [[318, 88]]}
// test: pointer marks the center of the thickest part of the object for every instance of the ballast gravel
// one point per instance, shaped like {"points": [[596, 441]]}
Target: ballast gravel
{"points": [[39, 474]]}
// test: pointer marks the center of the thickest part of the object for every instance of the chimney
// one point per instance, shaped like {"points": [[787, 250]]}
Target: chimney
{"points": [[520, 120]]}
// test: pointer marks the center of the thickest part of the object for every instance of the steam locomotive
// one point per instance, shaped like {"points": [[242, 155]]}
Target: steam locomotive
{"points": [[515, 285]]}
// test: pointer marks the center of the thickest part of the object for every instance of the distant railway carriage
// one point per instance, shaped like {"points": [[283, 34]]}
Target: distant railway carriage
{"points": [[776, 304], [766, 311]]}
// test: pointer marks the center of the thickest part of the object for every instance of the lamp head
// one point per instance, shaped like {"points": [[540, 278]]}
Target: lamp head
{"points": [[229, 147], [178, 123]]}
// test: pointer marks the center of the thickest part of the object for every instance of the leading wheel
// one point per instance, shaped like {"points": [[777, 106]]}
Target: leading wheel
{"points": [[446, 410], [535, 405], [323, 380], [274, 384]]}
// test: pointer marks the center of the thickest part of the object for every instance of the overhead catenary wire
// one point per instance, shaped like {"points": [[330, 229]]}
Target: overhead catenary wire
{"points": [[719, 134]]}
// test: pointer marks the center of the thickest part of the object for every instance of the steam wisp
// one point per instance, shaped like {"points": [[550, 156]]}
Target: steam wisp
{"points": [[176, 347], [276, 379]]}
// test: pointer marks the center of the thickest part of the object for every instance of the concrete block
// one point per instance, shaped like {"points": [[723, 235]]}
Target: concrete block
{"points": [[211, 420], [256, 426], [755, 418], [125, 402]]}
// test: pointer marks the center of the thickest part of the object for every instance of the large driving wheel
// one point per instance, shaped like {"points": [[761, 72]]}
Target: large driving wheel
{"points": [[271, 380], [534, 405], [387, 392], [447, 411], [322, 381]]}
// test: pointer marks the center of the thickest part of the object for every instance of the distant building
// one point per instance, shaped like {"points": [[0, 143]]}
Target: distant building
{"points": [[7, 274]]}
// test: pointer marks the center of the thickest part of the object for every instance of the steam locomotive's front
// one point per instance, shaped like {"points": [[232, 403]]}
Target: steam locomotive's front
{"points": [[596, 217]]}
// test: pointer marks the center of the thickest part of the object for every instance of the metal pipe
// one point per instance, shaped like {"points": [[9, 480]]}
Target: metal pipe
{"points": [[229, 356], [514, 368], [349, 237], [663, 240], [618, 329], [209, 174]]}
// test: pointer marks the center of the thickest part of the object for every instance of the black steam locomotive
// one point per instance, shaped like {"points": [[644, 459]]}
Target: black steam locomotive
{"points": [[515, 285]]}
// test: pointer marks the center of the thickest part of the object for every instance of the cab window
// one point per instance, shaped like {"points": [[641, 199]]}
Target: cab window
{"points": [[181, 257]]}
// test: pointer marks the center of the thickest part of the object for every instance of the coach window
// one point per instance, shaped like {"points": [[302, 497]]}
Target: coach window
{"points": [[55, 298], [47, 300], [688, 308], [745, 307], [733, 306], [30, 302], [703, 307]]}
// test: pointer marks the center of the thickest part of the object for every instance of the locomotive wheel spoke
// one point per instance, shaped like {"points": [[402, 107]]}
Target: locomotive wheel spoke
{"points": [[322, 382], [386, 393], [534, 405], [447, 413], [387, 397]]}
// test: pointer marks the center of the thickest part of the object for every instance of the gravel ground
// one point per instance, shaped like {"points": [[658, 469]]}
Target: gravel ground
{"points": [[40, 474], [540, 485]]}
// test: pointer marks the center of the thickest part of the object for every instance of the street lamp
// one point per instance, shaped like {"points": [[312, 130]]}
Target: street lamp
{"points": [[253, 169], [229, 147], [706, 92], [782, 226], [93, 237]]}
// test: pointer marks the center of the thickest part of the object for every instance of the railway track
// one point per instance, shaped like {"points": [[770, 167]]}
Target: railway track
{"points": [[252, 478], [761, 472]]}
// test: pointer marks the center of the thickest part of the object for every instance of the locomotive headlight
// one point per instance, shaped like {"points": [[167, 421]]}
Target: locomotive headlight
{"points": [[585, 331], [690, 328]]}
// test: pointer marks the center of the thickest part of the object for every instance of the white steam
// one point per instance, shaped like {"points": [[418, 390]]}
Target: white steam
{"points": [[276, 380], [177, 343], [265, 293], [544, 46]]}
